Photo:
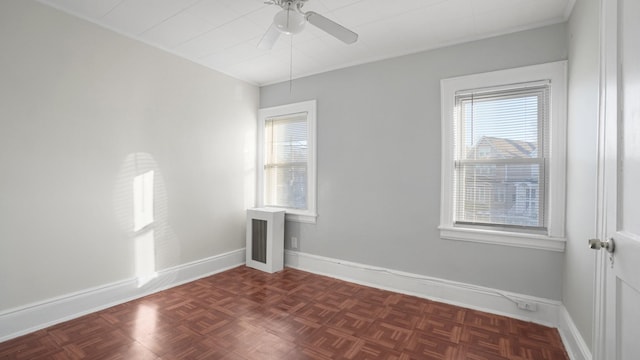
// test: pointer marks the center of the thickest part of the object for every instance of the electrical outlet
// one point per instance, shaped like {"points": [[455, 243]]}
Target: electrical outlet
{"points": [[525, 305], [294, 242]]}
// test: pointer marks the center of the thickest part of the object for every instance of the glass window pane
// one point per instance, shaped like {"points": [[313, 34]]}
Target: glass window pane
{"points": [[286, 159], [502, 128], [508, 196], [500, 168], [286, 186]]}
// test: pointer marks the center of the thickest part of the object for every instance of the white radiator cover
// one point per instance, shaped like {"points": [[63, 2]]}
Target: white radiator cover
{"points": [[265, 239]]}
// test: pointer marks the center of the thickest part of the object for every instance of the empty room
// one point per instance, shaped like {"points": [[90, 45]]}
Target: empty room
{"points": [[320, 179]]}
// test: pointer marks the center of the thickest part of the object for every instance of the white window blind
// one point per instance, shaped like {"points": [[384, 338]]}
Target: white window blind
{"points": [[286, 161], [500, 152]]}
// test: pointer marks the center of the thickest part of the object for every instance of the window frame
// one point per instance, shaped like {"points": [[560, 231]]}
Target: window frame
{"points": [[298, 215], [554, 238]]}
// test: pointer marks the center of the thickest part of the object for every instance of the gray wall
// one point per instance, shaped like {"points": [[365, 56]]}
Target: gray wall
{"points": [[579, 269], [379, 165], [83, 110]]}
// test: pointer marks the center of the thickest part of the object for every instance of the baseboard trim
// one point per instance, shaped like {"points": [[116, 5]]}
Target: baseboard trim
{"points": [[26, 319], [573, 342], [451, 292]]}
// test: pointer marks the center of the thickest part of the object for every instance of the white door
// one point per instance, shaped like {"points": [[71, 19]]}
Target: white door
{"points": [[618, 273]]}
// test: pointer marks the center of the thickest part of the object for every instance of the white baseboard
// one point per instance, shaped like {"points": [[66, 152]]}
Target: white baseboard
{"points": [[451, 292], [573, 341], [29, 318]]}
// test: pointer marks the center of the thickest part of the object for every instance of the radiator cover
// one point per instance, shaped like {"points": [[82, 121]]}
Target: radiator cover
{"points": [[265, 239]]}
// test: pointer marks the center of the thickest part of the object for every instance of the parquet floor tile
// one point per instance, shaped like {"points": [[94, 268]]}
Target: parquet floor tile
{"points": [[245, 314], [350, 323]]}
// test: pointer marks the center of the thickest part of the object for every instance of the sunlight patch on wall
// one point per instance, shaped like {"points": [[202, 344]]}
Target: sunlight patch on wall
{"points": [[145, 249], [141, 210], [142, 200]]}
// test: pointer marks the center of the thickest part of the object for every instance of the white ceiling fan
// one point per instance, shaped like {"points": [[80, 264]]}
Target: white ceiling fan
{"points": [[291, 20]]}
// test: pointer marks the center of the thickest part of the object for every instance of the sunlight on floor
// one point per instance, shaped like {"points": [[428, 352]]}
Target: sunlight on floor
{"points": [[145, 322]]}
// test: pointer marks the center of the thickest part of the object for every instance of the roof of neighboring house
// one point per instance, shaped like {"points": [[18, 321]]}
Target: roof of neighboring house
{"points": [[507, 148]]}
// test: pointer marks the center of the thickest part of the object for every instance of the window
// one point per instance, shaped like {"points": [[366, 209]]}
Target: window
{"points": [[287, 154], [501, 181], [503, 130]]}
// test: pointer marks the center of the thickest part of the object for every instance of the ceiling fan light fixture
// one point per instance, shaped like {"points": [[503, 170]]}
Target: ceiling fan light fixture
{"points": [[289, 21]]}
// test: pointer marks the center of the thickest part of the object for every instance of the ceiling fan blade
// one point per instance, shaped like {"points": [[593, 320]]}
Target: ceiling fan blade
{"points": [[331, 27], [269, 38]]}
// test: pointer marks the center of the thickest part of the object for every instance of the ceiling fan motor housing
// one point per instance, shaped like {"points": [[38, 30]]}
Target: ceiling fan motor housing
{"points": [[289, 21]]}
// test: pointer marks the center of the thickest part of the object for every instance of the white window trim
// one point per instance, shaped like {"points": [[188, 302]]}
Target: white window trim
{"points": [[554, 239], [304, 216]]}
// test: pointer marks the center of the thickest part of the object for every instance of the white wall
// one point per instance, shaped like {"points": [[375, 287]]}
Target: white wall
{"points": [[83, 110], [579, 268], [379, 165]]}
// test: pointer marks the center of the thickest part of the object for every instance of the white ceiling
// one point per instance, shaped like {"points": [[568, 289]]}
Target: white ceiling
{"points": [[223, 34]]}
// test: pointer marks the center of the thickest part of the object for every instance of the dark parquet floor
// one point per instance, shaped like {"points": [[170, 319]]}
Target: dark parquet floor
{"points": [[247, 314]]}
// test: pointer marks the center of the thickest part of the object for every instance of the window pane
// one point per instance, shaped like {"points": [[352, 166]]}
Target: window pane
{"points": [[502, 128], [286, 139], [500, 164], [286, 158], [509, 195], [286, 186]]}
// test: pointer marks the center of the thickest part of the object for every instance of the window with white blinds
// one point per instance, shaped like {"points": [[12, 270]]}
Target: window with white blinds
{"points": [[503, 157], [500, 152], [286, 159], [285, 165]]}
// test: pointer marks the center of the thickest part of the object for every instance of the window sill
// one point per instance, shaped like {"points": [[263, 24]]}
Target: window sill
{"points": [[306, 218], [530, 241]]}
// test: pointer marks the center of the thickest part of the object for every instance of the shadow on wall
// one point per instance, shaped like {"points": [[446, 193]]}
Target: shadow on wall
{"points": [[141, 210]]}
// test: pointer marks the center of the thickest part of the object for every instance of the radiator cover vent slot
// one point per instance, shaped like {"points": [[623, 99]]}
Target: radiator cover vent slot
{"points": [[259, 230]]}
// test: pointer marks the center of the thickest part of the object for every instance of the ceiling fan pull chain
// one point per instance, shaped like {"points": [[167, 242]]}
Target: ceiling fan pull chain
{"points": [[291, 65]]}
